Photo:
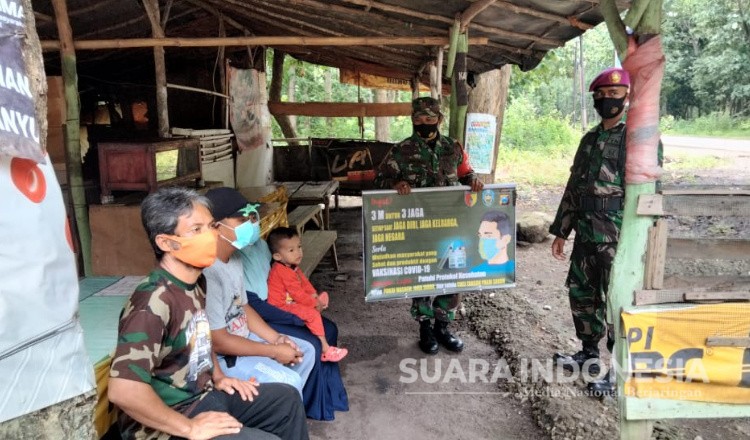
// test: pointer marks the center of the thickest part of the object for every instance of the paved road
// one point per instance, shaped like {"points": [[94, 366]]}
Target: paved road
{"points": [[706, 145]]}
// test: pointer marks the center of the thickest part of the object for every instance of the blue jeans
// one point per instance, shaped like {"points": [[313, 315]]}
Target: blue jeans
{"points": [[267, 370]]}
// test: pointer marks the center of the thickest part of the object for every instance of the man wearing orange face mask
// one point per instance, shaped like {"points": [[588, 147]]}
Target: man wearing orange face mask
{"points": [[164, 375]]}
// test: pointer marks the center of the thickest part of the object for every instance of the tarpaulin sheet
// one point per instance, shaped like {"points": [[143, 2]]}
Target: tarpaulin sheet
{"points": [[249, 115], [19, 129], [645, 64], [42, 355]]}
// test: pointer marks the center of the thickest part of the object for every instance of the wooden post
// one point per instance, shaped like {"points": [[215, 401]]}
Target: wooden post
{"points": [[160, 67], [628, 268], [72, 131], [434, 86]]}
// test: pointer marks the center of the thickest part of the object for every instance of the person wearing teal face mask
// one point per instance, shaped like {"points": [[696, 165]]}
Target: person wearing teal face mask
{"points": [[247, 346], [494, 237]]}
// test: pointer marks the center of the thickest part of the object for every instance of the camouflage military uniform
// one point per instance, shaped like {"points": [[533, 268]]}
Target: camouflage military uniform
{"points": [[164, 341], [161, 325], [592, 205], [424, 165]]}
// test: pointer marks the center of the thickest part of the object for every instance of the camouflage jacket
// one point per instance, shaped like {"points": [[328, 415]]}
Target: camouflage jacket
{"points": [[164, 340], [597, 174], [422, 165]]}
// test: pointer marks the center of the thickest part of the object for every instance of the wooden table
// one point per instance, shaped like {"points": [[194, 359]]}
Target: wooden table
{"points": [[313, 193]]}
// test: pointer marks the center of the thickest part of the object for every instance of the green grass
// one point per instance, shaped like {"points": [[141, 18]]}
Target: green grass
{"points": [[715, 124], [534, 168], [678, 162]]}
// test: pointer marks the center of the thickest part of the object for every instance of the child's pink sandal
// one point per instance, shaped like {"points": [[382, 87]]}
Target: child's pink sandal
{"points": [[323, 297], [334, 354]]}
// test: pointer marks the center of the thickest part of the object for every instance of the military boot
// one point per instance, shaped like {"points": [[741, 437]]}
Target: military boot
{"points": [[590, 351], [604, 387], [445, 337], [427, 341]]}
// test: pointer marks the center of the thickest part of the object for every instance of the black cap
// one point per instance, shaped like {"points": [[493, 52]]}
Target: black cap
{"points": [[226, 202]]}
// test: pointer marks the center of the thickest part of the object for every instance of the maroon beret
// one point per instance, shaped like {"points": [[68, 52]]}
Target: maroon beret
{"points": [[614, 76]]}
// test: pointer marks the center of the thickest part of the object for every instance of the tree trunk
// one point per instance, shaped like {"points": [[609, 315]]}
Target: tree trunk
{"points": [[490, 96], [382, 125], [160, 66], [274, 94]]}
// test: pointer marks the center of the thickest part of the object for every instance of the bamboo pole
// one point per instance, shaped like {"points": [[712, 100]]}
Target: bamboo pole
{"points": [[452, 48], [128, 43], [340, 109], [160, 67], [462, 95], [72, 131]]}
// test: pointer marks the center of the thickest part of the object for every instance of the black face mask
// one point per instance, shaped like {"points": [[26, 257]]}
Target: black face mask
{"points": [[609, 107], [425, 131]]}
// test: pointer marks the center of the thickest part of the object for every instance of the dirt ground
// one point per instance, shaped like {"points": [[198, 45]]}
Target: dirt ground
{"points": [[391, 384]]}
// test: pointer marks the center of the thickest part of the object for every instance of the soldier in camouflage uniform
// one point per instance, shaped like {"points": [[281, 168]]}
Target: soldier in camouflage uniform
{"points": [[592, 206], [164, 375], [429, 159]]}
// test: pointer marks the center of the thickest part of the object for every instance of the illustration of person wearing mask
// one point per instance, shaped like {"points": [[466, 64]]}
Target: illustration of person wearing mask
{"points": [[494, 237]]}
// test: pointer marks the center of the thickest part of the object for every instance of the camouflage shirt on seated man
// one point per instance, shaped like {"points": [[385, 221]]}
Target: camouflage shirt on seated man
{"points": [[164, 341], [421, 165]]}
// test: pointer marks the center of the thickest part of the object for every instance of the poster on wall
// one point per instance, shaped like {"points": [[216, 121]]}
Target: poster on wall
{"points": [[19, 129], [480, 141], [437, 241]]}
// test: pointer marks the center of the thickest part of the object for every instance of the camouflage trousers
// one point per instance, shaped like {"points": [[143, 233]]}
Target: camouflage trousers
{"points": [[588, 281], [442, 307]]}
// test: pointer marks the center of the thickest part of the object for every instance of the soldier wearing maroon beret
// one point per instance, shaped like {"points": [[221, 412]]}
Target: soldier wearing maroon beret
{"points": [[592, 206]]}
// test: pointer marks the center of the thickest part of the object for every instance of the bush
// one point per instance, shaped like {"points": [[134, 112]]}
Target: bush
{"points": [[714, 124], [524, 129]]}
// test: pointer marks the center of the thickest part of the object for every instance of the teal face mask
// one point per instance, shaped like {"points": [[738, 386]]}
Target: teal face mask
{"points": [[488, 248], [247, 233]]}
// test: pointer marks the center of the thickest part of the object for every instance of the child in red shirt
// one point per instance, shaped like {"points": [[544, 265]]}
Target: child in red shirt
{"points": [[290, 290]]}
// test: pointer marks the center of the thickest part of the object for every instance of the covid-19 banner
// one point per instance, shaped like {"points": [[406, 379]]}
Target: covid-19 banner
{"points": [[436, 241]]}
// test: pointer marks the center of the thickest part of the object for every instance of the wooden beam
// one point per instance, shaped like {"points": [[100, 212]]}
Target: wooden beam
{"points": [[257, 41], [687, 294], [44, 18], [717, 296], [160, 67], [718, 341], [339, 109], [639, 408], [718, 282], [655, 255], [72, 131], [472, 11], [717, 190], [691, 205], [709, 248]]}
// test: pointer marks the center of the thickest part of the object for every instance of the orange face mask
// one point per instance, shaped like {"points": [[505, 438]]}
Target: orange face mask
{"points": [[198, 250]]}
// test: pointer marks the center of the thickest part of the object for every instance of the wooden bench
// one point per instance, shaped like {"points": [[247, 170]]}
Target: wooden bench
{"points": [[315, 244], [301, 215]]}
